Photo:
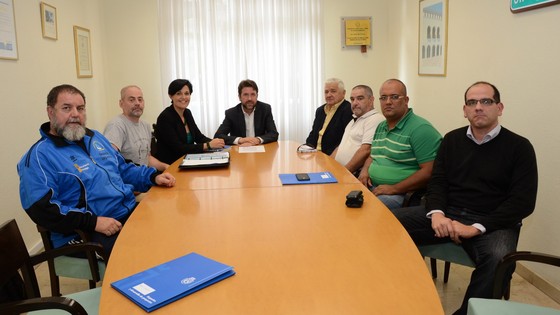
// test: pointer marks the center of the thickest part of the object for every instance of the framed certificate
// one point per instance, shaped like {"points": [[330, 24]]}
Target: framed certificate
{"points": [[8, 39], [82, 47]]}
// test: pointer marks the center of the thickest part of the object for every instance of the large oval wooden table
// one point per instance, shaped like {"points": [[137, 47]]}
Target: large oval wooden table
{"points": [[296, 249]]}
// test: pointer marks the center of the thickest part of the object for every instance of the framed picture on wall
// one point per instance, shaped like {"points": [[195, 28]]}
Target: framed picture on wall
{"points": [[432, 37], [48, 21], [82, 47], [8, 39]]}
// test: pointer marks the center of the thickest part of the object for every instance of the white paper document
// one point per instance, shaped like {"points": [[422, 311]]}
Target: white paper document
{"points": [[252, 149]]}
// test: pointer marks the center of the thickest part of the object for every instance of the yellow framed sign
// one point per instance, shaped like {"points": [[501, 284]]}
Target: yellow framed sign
{"points": [[356, 31]]}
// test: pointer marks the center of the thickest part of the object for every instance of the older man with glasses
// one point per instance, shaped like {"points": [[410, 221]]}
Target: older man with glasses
{"points": [[403, 149]]}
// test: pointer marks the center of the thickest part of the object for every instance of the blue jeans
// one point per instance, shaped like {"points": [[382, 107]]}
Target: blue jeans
{"points": [[390, 201], [485, 250]]}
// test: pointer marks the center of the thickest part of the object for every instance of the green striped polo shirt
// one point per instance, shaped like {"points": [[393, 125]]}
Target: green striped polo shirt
{"points": [[397, 153]]}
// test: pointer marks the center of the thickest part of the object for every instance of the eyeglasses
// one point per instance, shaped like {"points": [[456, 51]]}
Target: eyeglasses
{"points": [[484, 101], [394, 97]]}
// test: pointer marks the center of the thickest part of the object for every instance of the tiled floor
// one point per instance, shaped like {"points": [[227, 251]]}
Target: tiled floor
{"points": [[67, 285], [451, 294]]}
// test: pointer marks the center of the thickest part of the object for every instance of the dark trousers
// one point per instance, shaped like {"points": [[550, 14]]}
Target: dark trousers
{"points": [[106, 241], [486, 250]]}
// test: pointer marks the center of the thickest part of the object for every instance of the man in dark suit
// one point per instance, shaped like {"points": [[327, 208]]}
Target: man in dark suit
{"points": [[249, 122], [330, 118]]}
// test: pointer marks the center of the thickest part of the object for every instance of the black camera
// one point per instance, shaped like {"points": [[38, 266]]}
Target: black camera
{"points": [[355, 199]]}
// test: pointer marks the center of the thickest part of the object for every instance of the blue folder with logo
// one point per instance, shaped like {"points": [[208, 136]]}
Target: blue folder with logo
{"points": [[314, 178], [170, 281]]}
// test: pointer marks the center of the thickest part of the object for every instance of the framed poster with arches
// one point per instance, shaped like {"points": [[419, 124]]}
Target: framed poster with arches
{"points": [[432, 37]]}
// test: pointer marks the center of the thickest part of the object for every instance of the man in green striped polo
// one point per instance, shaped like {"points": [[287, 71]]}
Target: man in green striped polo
{"points": [[403, 149]]}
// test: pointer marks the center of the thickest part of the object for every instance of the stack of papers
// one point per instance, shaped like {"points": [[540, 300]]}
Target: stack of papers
{"points": [[170, 281]]}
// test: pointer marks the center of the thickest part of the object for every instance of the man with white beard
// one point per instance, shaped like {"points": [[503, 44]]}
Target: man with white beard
{"points": [[72, 178]]}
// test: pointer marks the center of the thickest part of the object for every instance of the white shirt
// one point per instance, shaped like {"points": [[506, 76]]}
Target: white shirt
{"points": [[359, 131], [489, 136], [249, 126]]}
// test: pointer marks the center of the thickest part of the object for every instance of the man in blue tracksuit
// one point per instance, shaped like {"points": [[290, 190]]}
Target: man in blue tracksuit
{"points": [[72, 178]]}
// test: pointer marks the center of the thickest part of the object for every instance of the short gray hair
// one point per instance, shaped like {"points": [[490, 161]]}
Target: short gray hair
{"points": [[123, 90], [337, 81]]}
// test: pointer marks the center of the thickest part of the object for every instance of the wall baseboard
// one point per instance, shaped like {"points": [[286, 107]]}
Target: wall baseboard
{"points": [[37, 248], [546, 287]]}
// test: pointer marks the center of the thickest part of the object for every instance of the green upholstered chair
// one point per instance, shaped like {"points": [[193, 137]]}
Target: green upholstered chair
{"points": [[497, 306], [24, 294], [88, 268], [500, 307], [448, 252]]}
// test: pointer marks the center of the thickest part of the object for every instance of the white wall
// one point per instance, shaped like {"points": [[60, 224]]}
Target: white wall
{"points": [[517, 52], [42, 64], [124, 51], [132, 54], [350, 65]]}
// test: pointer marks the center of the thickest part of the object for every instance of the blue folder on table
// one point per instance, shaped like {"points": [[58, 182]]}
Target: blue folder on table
{"points": [[314, 178], [170, 281]]}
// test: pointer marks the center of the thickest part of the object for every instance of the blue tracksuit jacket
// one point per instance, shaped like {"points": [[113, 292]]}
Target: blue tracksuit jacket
{"points": [[65, 185]]}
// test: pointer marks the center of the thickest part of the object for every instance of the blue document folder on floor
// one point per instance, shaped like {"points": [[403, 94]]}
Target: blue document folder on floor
{"points": [[170, 281], [314, 178]]}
